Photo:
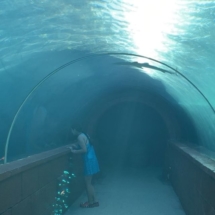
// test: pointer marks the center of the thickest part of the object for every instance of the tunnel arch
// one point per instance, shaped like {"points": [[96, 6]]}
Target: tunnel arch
{"points": [[157, 104], [173, 133], [176, 129], [173, 130]]}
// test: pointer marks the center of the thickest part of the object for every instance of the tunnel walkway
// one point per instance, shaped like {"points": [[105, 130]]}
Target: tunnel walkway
{"points": [[132, 192]]}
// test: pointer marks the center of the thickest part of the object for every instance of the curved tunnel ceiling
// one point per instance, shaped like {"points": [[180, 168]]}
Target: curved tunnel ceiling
{"points": [[38, 37]]}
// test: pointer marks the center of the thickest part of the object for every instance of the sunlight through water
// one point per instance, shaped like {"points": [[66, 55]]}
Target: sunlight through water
{"points": [[148, 23]]}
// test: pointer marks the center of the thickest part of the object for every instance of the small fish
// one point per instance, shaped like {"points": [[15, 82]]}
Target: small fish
{"points": [[142, 65], [62, 193], [1, 159]]}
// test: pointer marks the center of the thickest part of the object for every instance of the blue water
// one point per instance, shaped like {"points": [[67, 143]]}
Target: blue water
{"points": [[36, 37]]}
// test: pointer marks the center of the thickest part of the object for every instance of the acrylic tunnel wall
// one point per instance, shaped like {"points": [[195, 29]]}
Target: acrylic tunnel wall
{"points": [[134, 97]]}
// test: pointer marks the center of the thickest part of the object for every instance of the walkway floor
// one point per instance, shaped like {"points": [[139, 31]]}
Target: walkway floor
{"points": [[132, 192]]}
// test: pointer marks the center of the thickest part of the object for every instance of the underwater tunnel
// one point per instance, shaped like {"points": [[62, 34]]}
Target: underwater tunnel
{"points": [[146, 102]]}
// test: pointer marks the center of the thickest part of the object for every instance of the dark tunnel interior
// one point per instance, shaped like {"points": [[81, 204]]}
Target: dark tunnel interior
{"points": [[132, 134]]}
